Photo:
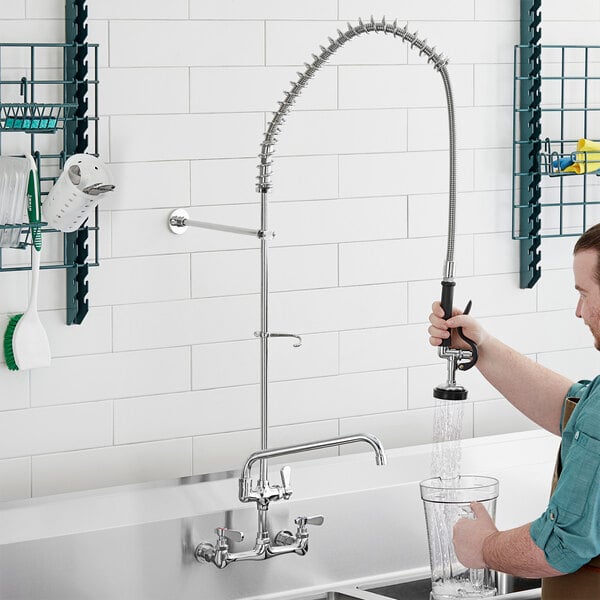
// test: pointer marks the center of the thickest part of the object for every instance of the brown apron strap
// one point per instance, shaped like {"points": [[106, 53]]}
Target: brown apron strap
{"points": [[569, 407], [584, 584], [592, 566]]}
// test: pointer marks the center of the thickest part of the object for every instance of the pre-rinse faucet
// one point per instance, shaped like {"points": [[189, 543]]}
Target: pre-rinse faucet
{"points": [[284, 542], [264, 492]]}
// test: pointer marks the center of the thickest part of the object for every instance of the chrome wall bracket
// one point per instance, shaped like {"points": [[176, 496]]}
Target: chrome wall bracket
{"points": [[179, 221]]}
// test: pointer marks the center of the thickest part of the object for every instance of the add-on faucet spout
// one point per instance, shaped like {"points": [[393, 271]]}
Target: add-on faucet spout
{"points": [[377, 446]]}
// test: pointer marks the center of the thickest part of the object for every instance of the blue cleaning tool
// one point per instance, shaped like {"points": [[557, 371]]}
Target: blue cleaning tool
{"points": [[562, 163]]}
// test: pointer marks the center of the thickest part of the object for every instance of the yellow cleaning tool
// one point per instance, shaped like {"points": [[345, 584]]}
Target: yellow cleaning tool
{"points": [[587, 157]]}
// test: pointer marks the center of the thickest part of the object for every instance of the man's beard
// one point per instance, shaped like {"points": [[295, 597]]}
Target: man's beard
{"points": [[596, 336]]}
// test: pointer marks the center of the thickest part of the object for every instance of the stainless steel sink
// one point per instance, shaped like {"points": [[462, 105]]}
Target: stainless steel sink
{"points": [[352, 594], [356, 594], [420, 590]]}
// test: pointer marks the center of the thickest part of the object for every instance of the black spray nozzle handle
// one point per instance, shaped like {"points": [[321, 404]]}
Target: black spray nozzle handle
{"points": [[447, 302], [465, 366]]}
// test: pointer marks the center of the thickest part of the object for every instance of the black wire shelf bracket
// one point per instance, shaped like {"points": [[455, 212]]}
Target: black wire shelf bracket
{"points": [[76, 141], [49, 91], [556, 163], [527, 97]]}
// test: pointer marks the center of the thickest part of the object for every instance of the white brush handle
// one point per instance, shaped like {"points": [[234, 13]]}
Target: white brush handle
{"points": [[35, 277]]}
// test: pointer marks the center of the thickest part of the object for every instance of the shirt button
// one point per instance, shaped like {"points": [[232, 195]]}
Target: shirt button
{"points": [[577, 435], [552, 516]]}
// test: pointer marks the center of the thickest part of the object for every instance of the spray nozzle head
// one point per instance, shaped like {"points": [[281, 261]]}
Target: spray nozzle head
{"points": [[450, 390], [446, 391]]}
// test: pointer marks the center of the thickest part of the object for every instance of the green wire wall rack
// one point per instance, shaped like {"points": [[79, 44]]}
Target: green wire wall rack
{"points": [[550, 175], [49, 91]]}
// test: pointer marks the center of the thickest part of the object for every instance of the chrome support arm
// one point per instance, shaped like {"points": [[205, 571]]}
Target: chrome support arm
{"points": [[179, 221]]}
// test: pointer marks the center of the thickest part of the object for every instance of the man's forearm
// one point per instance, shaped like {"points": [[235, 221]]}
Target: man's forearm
{"points": [[536, 391], [513, 551]]}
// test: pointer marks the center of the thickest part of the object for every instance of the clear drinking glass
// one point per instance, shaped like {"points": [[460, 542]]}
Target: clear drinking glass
{"points": [[447, 501], [14, 175]]}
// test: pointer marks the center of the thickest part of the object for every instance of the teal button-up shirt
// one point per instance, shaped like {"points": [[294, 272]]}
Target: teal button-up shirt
{"points": [[569, 530]]}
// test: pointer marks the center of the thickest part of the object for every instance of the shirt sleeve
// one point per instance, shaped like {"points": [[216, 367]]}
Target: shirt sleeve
{"points": [[568, 531], [576, 389]]}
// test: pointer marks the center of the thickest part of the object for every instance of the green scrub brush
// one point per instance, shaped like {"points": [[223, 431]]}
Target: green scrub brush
{"points": [[25, 341]]}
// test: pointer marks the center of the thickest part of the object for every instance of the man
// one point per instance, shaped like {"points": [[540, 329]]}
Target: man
{"points": [[563, 544]]}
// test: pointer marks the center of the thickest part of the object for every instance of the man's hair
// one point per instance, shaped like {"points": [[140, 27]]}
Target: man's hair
{"points": [[590, 240]]}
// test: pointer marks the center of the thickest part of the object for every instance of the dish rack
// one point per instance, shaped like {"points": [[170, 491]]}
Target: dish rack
{"points": [[49, 94], [556, 108]]}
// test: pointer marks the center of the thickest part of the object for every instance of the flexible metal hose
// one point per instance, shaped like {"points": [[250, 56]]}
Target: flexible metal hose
{"points": [[264, 177], [439, 64]]}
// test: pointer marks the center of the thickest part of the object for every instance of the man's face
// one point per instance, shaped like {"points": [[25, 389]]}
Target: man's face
{"points": [[588, 306]]}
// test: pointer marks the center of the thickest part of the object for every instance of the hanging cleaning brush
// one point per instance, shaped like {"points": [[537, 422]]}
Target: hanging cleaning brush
{"points": [[25, 341]]}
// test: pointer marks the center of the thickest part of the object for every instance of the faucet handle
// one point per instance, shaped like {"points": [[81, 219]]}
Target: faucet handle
{"points": [[304, 521], [285, 474], [230, 534]]}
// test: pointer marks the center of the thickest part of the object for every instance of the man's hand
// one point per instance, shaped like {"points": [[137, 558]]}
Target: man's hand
{"points": [[469, 535], [441, 329]]}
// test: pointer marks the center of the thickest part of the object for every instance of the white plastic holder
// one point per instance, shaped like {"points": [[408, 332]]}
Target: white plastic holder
{"points": [[67, 205]]}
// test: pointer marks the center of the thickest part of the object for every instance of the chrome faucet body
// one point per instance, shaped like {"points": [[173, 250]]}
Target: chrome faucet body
{"points": [[284, 542]]}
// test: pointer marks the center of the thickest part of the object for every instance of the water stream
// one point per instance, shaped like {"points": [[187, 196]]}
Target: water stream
{"points": [[450, 579], [447, 430]]}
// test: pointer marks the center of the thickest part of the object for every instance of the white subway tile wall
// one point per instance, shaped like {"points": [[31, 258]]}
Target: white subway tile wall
{"points": [[161, 379], [228, 451], [367, 87]]}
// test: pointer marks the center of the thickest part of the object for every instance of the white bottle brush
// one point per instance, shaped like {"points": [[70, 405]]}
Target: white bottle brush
{"points": [[25, 341]]}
